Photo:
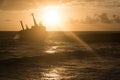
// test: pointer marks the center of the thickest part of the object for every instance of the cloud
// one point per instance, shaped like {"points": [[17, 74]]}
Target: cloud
{"points": [[27, 4], [97, 3], [102, 18], [30, 4], [91, 20], [116, 18]]}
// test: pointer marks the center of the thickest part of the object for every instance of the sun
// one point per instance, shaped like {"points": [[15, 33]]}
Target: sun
{"points": [[51, 16]]}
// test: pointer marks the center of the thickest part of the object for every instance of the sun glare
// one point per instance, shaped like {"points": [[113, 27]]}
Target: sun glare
{"points": [[51, 16]]}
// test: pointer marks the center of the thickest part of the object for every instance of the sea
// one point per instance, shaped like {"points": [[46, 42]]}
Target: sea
{"points": [[85, 55]]}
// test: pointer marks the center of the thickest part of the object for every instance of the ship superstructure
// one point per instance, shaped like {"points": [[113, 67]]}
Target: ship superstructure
{"points": [[36, 32]]}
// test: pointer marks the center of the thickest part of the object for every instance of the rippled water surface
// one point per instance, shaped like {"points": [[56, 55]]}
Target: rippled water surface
{"points": [[59, 60]]}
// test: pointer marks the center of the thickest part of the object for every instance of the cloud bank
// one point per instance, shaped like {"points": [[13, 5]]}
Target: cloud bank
{"points": [[102, 18], [30, 4], [27, 4]]}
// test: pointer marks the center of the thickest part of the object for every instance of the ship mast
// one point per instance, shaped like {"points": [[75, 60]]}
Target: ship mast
{"points": [[22, 25], [35, 23], [27, 27]]}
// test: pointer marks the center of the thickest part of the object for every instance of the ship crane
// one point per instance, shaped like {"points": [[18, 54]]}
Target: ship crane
{"points": [[35, 23], [22, 25]]}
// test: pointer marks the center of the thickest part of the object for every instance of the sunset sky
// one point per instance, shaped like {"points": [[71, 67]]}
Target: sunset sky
{"points": [[80, 15]]}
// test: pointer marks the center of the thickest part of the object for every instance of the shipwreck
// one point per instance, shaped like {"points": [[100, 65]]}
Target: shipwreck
{"points": [[37, 32]]}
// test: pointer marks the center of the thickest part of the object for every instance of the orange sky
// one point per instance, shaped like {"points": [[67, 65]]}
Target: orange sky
{"points": [[80, 15]]}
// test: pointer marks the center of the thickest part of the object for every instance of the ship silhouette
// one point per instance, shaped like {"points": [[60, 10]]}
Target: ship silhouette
{"points": [[36, 32]]}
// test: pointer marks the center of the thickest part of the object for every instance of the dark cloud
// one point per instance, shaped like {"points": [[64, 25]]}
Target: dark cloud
{"points": [[116, 18], [102, 18], [112, 19], [27, 4], [91, 20]]}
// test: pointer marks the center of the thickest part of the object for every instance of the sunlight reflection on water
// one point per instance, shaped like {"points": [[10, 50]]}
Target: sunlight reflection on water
{"points": [[59, 49], [52, 50], [53, 74], [67, 61]]}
